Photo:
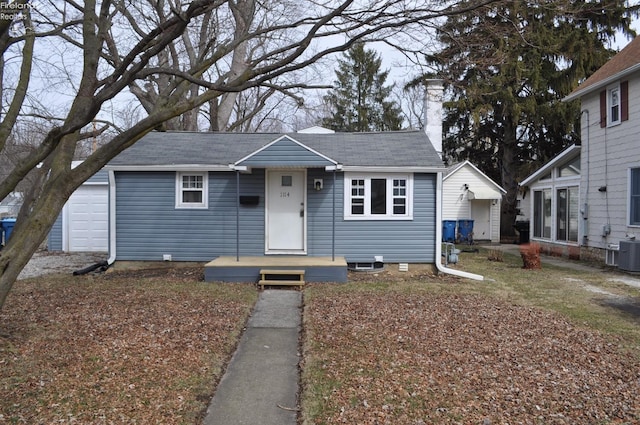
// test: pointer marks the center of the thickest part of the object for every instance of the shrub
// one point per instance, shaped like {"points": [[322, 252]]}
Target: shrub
{"points": [[530, 254]]}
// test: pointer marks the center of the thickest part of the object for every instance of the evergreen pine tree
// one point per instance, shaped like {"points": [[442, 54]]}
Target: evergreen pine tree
{"points": [[508, 65], [359, 101]]}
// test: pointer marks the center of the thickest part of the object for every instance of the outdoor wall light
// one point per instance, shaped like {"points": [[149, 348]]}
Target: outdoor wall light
{"points": [[317, 184]]}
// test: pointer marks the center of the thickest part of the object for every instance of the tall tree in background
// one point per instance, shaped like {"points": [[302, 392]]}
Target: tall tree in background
{"points": [[508, 65], [360, 99]]}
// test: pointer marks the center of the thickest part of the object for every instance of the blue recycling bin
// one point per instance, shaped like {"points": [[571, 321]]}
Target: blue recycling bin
{"points": [[449, 231], [465, 230], [7, 227]]}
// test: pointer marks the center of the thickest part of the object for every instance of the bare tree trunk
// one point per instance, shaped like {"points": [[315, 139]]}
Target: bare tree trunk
{"points": [[40, 210], [509, 181], [243, 12], [24, 242]]}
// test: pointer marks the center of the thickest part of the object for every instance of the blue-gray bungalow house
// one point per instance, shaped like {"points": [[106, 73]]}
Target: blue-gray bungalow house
{"points": [[236, 197]]}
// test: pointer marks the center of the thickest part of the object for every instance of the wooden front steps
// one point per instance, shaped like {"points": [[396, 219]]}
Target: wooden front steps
{"points": [[281, 277]]}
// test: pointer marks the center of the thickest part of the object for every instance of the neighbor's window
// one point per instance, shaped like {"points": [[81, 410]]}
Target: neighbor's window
{"points": [[634, 197], [191, 190], [378, 197], [614, 105], [567, 214], [542, 213], [570, 169]]}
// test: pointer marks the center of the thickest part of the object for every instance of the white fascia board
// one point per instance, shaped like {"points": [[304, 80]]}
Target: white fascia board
{"points": [[601, 84], [567, 153], [415, 169], [169, 167]]}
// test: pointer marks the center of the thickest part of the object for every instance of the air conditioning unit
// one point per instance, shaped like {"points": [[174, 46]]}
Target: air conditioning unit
{"points": [[629, 256]]}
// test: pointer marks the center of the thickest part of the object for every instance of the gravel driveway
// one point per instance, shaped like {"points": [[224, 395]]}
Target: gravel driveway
{"points": [[44, 262]]}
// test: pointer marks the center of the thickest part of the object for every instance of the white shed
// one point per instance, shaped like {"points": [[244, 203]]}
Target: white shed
{"points": [[469, 194]]}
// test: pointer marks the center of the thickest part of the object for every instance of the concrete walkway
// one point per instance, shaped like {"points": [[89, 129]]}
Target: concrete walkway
{"points": [[260, 385]]}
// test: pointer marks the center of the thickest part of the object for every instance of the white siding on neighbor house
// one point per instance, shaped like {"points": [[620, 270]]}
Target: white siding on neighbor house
{"points": [[607, 155], [456, 204]]}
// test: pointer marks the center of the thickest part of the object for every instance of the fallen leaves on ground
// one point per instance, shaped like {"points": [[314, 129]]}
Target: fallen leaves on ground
{"points": [[420, 358], [117, 348]]}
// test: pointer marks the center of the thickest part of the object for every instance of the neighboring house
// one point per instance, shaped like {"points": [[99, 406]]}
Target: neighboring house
{"points": [[469, 194], [192, 196], [550, 201], [83, 225], [607, 211]]}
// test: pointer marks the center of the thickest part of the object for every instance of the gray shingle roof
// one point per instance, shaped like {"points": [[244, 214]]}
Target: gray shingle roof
{"points": [[383, 149]]}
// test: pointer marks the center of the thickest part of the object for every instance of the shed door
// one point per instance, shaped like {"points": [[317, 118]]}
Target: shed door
{"points": [[87, 219], [286, 211], [481, 215]]}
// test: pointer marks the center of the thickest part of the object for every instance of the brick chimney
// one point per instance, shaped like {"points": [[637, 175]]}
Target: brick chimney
{"points": [[433, 112]]}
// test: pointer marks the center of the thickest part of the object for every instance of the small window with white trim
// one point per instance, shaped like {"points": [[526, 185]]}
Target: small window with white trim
{"points": [[614, 105], [191, 190], [378, 197]]}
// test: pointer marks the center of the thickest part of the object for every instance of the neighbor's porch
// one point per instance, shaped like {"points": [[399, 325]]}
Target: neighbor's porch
{"points": [[247, 269]]}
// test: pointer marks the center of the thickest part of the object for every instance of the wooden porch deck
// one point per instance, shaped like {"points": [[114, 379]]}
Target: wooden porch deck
{"points": [[247, 269]]}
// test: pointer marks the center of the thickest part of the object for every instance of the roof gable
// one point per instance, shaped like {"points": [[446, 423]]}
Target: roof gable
{"points": [[476, 172], [569, 153], [285, 152]]}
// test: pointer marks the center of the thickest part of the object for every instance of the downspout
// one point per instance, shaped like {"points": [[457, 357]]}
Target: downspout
{"points": [[237, 215], [438, 242], [112, 218], [584, 152], [333, 221], [333, 168]]}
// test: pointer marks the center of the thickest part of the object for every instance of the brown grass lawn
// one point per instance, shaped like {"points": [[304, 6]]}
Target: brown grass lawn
{"points": [[523, 347], [116, 348]]}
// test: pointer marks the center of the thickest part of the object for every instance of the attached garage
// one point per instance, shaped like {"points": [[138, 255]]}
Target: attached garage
{"points": [[87, 221], [83, 225]]}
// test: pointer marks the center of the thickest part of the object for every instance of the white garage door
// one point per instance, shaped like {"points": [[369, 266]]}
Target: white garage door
{"points": [[87, 219]]}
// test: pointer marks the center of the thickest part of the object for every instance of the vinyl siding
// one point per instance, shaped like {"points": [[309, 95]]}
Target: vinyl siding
{"points": [[285, 153], [54, 240], [455, 200], [607, 155], [148, 225], [397, 241]]}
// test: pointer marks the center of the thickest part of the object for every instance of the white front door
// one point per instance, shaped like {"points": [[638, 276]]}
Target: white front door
{"points": [[285, 215]]}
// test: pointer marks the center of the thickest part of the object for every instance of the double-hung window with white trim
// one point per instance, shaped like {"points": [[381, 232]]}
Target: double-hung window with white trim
{"points": [[192, 190], [613, 101], [378, 197]]}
